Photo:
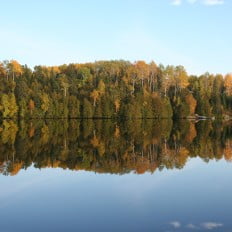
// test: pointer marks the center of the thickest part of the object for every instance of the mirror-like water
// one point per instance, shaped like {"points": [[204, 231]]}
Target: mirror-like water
{"points": [[109, 176]]}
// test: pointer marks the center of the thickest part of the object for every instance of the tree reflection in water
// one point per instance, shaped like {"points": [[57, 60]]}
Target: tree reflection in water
{"points": [[107, 146]]}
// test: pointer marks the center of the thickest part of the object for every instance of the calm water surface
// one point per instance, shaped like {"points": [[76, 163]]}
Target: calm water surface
{"points": [[109, 176]]}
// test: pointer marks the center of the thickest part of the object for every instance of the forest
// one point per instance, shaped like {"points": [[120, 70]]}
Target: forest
{"points": [[112, 89], [104, 146]]}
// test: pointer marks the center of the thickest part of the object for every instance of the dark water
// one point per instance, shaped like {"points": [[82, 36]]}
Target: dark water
{"points": [[109, 176]]}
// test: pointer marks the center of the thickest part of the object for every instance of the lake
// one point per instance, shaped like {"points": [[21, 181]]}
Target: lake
{"points": [[104, 175]]}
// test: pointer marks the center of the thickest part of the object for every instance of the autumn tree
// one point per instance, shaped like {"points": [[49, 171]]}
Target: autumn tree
{"points": [[8, 106], [192, 103], [15, 69], [228, 84], [31, 106], [142, 71], [45, 102], [2, 70]]}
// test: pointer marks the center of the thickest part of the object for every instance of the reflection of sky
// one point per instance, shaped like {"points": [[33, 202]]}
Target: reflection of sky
{"points": [[197, 197]]}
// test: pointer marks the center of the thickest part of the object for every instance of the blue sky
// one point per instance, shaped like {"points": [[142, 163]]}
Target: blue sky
{"points": [[193, 33]]}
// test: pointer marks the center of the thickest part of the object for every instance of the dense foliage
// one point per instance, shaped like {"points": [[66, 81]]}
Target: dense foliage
{"points": [[105, 146], [111, 89]]}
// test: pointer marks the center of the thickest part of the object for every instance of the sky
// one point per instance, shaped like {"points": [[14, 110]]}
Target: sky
{"points": [[194, 33]]}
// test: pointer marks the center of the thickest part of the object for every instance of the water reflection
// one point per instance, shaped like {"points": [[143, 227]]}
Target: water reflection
{"points": [[105, 146]]}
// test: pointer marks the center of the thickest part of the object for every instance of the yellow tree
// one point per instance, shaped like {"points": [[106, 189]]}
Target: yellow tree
{"points": [[167, 80], [191, 101], [142, 71], [101, 87], [153, 70], [228, 151], [8, 105], [2, 70], [180, 78], [15, 168], [45, 102], [64, 84], [228, 84], [192, 133], [15, 68], [31, 106], [131, 75], [94, 95], [117, 105]]}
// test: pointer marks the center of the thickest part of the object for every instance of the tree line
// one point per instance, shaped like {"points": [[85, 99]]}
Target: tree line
{"points": [[111, 89], [105, 146]]}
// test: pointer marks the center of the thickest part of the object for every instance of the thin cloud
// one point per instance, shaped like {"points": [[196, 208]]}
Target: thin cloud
{"points": [[213, 2], [176, 2], [211, 225], [175, 224], [192, 226], [191, 1], [204, 2]]}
